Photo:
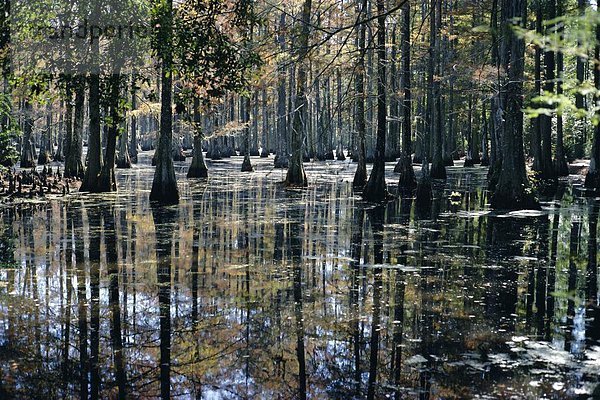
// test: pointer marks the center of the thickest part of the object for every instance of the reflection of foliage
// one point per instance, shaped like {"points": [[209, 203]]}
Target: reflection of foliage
{"points": [[7, 246]]}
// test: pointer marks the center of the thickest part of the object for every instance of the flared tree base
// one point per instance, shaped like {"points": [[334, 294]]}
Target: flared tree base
{"points": [[407, 179], [438, 170], [592, 180], [247, 165], [281, 161]]}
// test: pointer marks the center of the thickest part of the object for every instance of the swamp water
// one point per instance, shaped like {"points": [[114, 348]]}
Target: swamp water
{"points": [[247, 290]]}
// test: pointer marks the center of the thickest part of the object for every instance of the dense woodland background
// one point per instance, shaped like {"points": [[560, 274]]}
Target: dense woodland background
{"points": [[500, 83]]}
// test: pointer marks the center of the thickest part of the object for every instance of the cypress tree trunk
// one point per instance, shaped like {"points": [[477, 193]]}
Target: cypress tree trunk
{"points": [[296, 175], [438, 170], [547, 172], [27, 148], [198, 168], [560, 162], [133, 127], [580, 99], [339, 151], [164, 185], [360, 176], [391, 151], [73, 163], [407, 178], [247, 164], [281, 158], [94, 155], [512, 190], [264, 141], [592, 178], [485, 159], [376, 188], [106, 179]]}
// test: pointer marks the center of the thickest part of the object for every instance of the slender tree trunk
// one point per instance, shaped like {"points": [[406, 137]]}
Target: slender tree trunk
{"points": [[360, 176], [376, 188], [133, 127], [438, 170], [592, 178], [247, 164], [560, 163], [547, 172], [407, 180], [198, 168], [580, 99], [282, 157]]}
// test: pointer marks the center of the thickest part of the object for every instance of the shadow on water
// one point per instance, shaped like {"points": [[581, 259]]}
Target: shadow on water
{"points": [[248, 290]]}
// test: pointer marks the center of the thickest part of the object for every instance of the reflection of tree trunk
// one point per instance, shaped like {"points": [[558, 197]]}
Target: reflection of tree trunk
{"points": [[572, 279], [592, 328], [94, 254], [355, 253], [376, 217], [112, 263], [296, 248], [81, 303], [552, 276], [541, 276], [163, 225]]}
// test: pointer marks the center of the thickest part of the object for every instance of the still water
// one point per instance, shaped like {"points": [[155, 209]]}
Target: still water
{"points": [[248, 290]]}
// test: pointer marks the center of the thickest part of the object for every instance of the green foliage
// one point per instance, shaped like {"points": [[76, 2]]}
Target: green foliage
{"points": [[210, 45], [8, 133]]}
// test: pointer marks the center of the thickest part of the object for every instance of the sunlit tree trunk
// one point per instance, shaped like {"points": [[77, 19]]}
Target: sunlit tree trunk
{"points": [[296, 175], [512, 190], [164, 185], [592, 178], [360, 176]]}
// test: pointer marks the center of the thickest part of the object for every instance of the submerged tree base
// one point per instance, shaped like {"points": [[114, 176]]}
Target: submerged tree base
{"points": [[247, 165], [407, 180], [281, 161]]}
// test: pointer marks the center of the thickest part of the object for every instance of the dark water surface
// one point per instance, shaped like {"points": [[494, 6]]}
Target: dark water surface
{"points": [[246, 290]]}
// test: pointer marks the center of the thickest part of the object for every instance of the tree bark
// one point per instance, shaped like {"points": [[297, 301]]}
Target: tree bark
{"points": [[407, 180], [360, 176], [198, 168], [164, 186], [94, 155], [296, 175], [592, 178], [376, 188], [438, 169], [512, 190]]}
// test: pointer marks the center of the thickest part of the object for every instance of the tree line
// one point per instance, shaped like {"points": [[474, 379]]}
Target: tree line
{"points": [[504, 84]]}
